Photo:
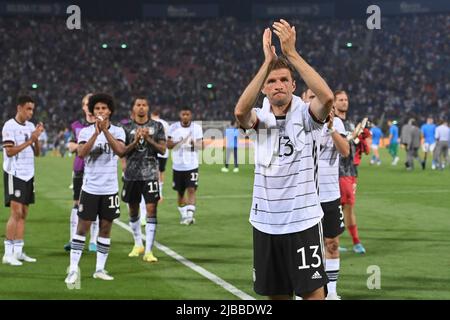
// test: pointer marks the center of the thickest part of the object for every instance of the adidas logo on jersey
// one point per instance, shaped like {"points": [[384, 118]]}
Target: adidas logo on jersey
{"points": [[316, 275]]}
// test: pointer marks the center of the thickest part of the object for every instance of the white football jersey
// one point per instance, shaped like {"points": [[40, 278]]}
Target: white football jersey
{"points": [[166, 131], [22, 164], [184, 156], [329, 164], [285, 195], [100, 170]]}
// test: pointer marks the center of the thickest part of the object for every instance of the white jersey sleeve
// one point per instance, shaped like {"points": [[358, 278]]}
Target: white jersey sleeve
{"points": [[198, 132], [118, 134], [85, 134], [8, 138], [339, 126]]}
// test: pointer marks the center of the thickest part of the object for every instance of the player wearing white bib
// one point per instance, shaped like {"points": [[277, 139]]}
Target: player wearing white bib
{"points": [[100, 145], [20, 146], [185, 138], [333, 143], [286, 213]]}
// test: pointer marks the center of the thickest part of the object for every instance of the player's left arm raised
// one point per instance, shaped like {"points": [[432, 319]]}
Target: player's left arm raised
{"points": [[322, 103], [35, 137]]}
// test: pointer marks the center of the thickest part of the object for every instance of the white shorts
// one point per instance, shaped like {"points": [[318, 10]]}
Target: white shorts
{"points": [[428, 147], [375, 146]]}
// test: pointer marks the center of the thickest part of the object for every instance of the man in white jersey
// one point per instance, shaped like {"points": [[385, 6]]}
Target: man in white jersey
{"points": [[333, 143], [185, 138], [20, 146], [286, 213], [100, 144]]}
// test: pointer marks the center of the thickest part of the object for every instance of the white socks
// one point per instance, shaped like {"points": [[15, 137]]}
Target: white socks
{"points": [[76, 249], [94, 231], [9, 248], [103, 245], [137, 233], [332, 270], [73, 222], [150, 230]]}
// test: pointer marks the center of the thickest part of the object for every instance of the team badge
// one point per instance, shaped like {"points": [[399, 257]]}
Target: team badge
{"points": [[17, 193], [80, 208], [123, 193], [151, 131]]}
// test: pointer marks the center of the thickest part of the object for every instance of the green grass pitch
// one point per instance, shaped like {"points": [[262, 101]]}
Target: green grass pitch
{"points": [[403, 219]]}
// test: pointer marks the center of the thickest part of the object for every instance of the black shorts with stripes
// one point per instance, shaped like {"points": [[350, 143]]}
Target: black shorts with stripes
{"points": [[288, 264], [18, 190], [333, 218], [107, 207]]}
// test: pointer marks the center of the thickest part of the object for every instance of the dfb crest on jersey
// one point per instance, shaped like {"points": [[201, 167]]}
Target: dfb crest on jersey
{"points": [[151, 131], [17, 193]]}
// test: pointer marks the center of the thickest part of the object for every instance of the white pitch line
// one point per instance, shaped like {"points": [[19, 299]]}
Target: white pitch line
{"points": [[205, 273]]}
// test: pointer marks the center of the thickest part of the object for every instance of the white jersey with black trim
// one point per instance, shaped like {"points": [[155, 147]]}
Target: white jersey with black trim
{"points": [[22, 164], [184, 155], [100, 171], [285, 194], [166, 131], [329, 164]]}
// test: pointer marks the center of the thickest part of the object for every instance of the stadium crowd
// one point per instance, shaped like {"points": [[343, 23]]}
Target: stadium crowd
{"points": [[400, 71]]}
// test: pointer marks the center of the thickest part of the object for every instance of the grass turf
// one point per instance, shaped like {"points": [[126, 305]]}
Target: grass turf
{"points": [[403, 220]]}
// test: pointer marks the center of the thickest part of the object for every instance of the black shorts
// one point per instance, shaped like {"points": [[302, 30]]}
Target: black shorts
{"points": [[133, 191], [77, 181], [185, 179], [333, 218], [279, 266], [107, 207], [18, 190], [162, 164]]}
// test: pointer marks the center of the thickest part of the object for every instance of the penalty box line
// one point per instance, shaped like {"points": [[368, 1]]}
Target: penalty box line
{"points": [[191, 265]]}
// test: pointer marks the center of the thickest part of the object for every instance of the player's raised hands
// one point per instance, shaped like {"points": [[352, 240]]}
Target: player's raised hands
{"points": [[287, 36], [37, 132], [269, 49], [331, 118], [102, 124]]}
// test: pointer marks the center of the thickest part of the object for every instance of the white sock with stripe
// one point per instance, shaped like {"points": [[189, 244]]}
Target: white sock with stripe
{"points": [[76, 250], [332, 270], [150, 230], [103, 245]]}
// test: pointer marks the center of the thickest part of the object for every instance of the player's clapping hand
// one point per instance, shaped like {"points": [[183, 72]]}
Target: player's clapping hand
{"points": [[331, 118], [102, 123], [146, 133], [138, 135], [37, 132], [269, 49], [287, 36]]}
